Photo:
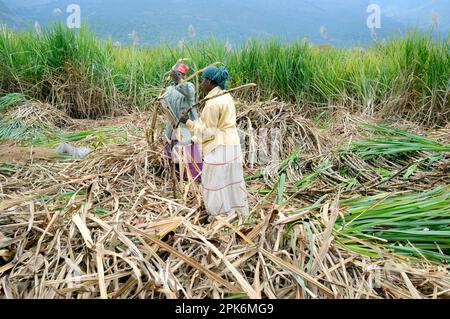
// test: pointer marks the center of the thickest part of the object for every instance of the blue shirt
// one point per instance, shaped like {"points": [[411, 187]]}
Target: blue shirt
{"points": [[181, 97]]}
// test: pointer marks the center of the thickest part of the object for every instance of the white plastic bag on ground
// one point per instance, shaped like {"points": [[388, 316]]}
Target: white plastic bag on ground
{"points": [[77, 152]]}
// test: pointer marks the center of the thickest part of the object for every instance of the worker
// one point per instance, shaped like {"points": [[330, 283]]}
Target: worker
{"points": [[180, 95], [216, 133]]}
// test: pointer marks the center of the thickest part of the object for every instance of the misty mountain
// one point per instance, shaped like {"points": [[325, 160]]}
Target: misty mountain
{"points": [[24, 3], [417, 12], [6, 15], [342, 22]]}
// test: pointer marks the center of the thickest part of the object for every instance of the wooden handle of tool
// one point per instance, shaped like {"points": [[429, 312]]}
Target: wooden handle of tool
{"points": [[200, 71], [206, 99]]}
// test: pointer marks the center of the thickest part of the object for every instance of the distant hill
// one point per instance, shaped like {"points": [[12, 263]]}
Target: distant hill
{"points": [[24, 3], [418, 12], [6, 15], [237, 20]]}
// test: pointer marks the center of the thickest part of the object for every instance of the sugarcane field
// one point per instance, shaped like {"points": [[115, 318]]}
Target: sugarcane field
{"points": [[269, 169]]}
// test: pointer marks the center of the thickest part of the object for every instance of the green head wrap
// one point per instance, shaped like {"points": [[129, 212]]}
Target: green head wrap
{"points": [[217, 75]]}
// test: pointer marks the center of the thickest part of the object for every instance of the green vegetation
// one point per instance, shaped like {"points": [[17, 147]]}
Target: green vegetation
{"points": [[89, 78], [37, 133], [388, 141], [415, 225], [16, 128], [309, 178], [11, 100]]}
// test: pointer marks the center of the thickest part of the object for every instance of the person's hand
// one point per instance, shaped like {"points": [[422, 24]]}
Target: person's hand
{"points": [[184, 118]]}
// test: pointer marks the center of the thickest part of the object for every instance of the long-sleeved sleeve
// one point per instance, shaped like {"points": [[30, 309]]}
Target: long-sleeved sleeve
{"points": [[180, 98], [194, 114], [187, 89], [205, 128], [216, 125]]}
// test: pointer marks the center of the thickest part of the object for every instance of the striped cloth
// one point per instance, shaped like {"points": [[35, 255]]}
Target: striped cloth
{"points": [[223, 182], [190, 158]]}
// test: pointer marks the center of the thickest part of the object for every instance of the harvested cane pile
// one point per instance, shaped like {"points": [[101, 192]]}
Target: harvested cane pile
{"points": [[350, 153], [109, 227], [32, 120]]}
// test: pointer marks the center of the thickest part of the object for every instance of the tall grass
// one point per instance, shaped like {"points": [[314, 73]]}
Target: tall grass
{"points": [[408, 76]]}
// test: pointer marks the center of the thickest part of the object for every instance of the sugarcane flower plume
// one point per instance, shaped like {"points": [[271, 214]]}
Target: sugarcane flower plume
{"points": [[228, 47], [181, 43], [373, 34], [57, 11], [324, 32], [134, 38], [435, 20], [37, 28], [191, 31]]}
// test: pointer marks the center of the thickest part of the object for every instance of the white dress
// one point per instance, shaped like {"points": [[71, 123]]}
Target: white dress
{"points": [[223, 182]]}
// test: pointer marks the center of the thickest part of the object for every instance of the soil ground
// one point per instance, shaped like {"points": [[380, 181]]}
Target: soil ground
{"points": [[9, 153]]}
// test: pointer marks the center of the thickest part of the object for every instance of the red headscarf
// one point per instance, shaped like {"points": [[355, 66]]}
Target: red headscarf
{"points": [[181, 67]]}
